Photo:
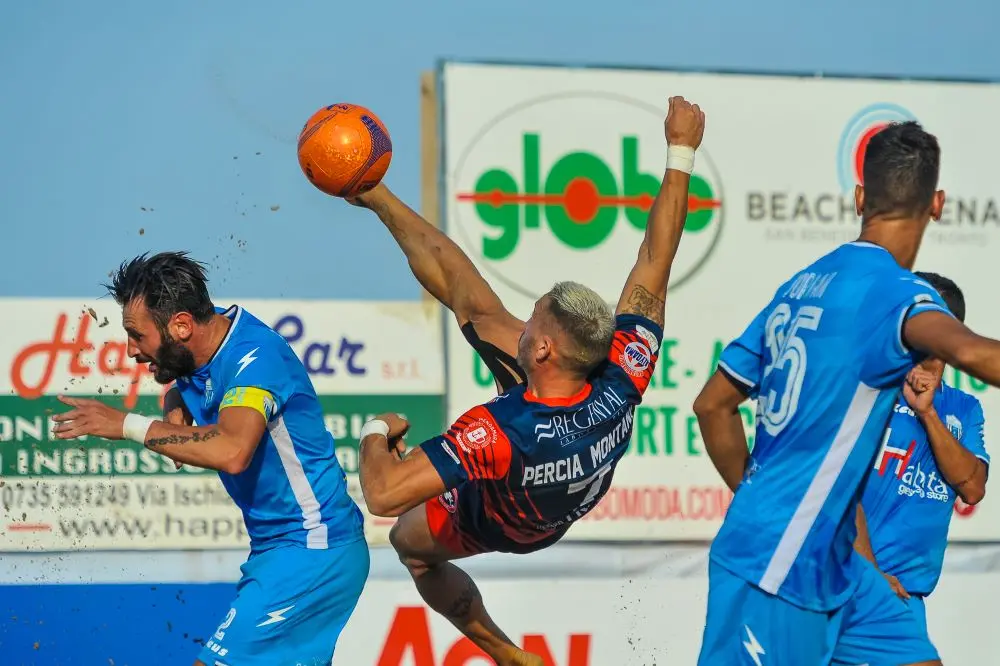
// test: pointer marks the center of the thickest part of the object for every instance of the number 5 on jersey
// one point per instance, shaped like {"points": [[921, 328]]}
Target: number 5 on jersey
{"points": [[788, 353]]}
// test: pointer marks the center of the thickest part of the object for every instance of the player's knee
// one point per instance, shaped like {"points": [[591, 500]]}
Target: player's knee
{"points": [[401, 540], [416, 566], [397, 537]]}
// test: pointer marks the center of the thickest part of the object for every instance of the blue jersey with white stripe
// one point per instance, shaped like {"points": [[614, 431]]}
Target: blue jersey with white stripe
{"points": [[907, 503], [825, 360], [294, 490]]}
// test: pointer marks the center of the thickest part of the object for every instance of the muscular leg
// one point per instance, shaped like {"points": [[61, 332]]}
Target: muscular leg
{"points": [[450, 591]]}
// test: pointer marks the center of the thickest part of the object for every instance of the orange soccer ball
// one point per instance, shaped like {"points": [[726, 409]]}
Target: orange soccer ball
{"points": [[344, 150]]}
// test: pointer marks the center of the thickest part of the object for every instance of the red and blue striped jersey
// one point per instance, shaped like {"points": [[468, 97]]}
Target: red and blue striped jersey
{"points": [[541, 464]]}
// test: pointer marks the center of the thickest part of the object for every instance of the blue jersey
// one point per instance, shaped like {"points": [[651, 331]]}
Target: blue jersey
{"points": [[908, 506], [825, 360], [294, 490]]}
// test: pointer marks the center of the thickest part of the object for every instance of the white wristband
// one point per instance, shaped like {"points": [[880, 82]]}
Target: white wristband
{"points": [[375, 427], [680, 158], [135, 427]]}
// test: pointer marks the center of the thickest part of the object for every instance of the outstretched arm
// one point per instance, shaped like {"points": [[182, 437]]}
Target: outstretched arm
{"points": [[645, 291], [444, 270], [948, 339]]}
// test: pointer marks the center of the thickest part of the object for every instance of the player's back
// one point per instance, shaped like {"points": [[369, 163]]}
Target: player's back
{"points": [[825, 360], [538, 465], [294, 490], [565, 451]]}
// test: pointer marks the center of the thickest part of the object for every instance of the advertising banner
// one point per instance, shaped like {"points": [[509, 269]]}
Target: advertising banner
{"points": [[363, 359], [549, 173], [603, 622]]}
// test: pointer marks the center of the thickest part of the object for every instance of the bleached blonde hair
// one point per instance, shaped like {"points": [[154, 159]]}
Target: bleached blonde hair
{"points": [[587, 321]]}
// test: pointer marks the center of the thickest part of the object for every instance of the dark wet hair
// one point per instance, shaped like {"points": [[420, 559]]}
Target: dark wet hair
{"points": [[167, 283]]}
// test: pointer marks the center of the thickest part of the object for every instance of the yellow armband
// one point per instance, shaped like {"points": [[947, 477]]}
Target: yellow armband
{"points": [[249, 396]]}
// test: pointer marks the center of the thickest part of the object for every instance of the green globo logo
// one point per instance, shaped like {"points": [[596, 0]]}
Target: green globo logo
{"points": [[580, 199]]}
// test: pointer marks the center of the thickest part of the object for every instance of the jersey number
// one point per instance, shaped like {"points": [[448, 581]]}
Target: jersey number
{"points": [[220, 633], [788, 353], [593, 483]]}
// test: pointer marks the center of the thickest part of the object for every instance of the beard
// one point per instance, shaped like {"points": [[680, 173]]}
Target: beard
{"points": [[172, 360]]}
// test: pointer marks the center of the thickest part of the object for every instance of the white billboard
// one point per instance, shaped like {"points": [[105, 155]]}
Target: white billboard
{"points": [[549, 172]]}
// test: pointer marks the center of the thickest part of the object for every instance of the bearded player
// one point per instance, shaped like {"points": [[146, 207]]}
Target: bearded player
{"points": [[826, 359], [513, 475], [243, 405]]}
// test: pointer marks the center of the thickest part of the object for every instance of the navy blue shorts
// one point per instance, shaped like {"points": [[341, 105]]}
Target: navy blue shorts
{"points": [[459, 521]]}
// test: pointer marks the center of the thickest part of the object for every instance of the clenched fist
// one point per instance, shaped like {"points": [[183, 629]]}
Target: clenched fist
{"points": [[685, 123]]}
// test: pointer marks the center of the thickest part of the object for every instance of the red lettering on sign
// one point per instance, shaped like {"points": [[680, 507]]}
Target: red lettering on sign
{"points": [[962, 509], [410, 634], [663, 503], [112, 360], [52, 350], [408, 631]]}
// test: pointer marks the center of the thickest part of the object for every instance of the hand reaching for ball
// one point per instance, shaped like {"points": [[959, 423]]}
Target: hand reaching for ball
{"points": [[368, 199]]}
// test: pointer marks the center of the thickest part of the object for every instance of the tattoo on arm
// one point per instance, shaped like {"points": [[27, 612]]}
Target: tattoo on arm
{"points": [[645, 304], [183, 439]]}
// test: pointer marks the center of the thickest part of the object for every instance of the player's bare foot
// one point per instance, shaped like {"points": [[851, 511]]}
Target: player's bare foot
{"points": [[521, 658]]}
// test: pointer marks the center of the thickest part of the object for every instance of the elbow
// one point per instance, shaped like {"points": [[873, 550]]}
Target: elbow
{"points": [[386, 510], [705, 406], [973, 496], [237, 462], [234, 467], [380, 505], [973, 492], [707, 411], [379, 499]]}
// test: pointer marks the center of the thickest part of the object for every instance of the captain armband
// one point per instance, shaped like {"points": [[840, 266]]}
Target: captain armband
{"points": [[249, 396]]}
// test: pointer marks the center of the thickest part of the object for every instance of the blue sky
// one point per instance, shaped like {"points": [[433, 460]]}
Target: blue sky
{"points": [[114, 106]]}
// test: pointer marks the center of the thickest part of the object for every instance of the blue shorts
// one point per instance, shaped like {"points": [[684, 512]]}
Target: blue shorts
{"points": [[291, 605], [748, 626], [916, 605]]}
